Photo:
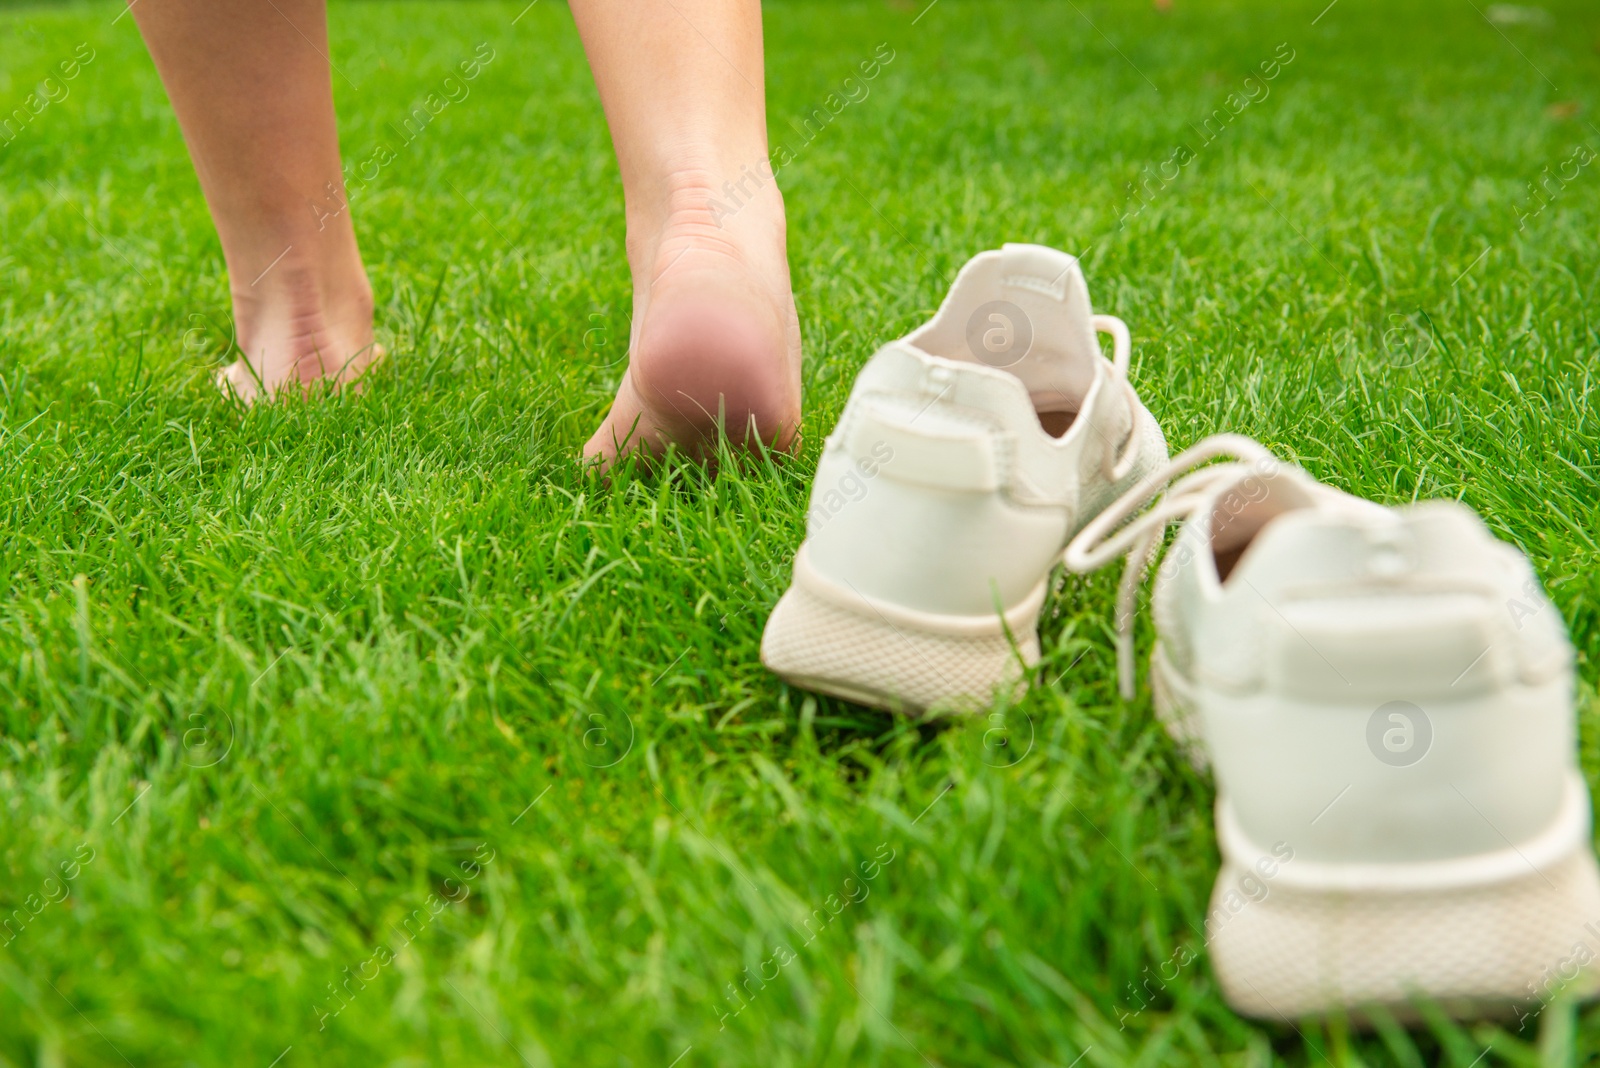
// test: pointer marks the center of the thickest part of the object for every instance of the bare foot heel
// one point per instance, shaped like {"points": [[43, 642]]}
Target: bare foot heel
{"points": [[706, 364], [301, 334], [239, 381], [717, 345]]}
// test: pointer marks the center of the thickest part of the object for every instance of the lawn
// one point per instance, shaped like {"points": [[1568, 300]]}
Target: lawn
{"points": [[369, 731]]}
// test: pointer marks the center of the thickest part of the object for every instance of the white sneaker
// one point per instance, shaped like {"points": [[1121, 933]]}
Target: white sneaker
{"points": [[967, 455], [1387, 700]]}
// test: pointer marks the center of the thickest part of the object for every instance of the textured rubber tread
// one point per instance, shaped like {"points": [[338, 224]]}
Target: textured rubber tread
{"points": [[1476, 950], [817, 643]]}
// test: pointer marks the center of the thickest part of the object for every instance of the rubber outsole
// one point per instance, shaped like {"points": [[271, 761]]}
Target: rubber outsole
{"points": [[830, 639], [1475, 951]]}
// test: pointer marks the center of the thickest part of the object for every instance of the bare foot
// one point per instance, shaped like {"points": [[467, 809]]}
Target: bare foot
{"points": [[298, 331], [715, 342]]}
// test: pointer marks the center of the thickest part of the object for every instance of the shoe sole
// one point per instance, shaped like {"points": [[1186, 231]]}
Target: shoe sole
{"points": [[1476, 951], [1480, 946], [830, 639]]}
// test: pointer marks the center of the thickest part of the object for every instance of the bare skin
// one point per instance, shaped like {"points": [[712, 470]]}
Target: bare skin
{"points": [[714, 322], [255, 100], [715, 338]]}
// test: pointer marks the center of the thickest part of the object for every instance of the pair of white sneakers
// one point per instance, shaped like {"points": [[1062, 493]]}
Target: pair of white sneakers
{"points": [[1384, 695]]}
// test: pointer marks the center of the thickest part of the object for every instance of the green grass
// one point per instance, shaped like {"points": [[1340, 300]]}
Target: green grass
{"points": [[282, 674]]}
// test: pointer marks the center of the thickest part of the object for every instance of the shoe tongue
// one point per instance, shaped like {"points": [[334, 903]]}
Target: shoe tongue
{"points": [[1025, 310]]}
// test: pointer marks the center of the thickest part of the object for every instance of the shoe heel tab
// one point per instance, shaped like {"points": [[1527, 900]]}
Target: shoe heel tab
{"points": [[1447, 538], [1399, 645], [930, 445], [1418, 601], [903, 369], [1447, 520], [1040, 269], [1355, 540]]}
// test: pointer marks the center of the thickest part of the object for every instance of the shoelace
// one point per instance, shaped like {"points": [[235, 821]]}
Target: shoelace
{"points": [[1116, 530], [1121, 355]]}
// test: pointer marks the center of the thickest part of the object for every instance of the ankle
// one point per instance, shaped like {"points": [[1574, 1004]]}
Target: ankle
{"points": [[296, 284], [733, 209], [300, 310]]}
